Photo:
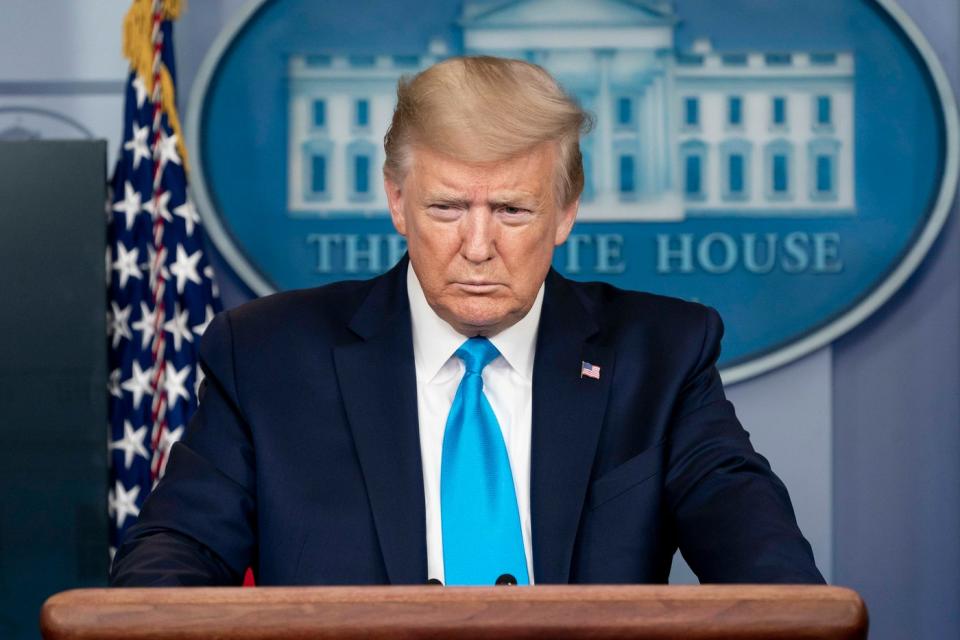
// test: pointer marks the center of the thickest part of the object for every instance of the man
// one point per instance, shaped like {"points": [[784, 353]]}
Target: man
{"points": [[470, 416]]}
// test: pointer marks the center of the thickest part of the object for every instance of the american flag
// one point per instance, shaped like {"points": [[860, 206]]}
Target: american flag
{"points": [[161, 294], [589, 370]]}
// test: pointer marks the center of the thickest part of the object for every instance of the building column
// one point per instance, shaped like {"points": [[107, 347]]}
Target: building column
{"points": [[603, 151], [650, 141], [669, 155], [660, 125]]}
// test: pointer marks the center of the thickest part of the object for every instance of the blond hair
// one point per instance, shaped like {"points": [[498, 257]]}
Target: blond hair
{"points": [[486, 109]]}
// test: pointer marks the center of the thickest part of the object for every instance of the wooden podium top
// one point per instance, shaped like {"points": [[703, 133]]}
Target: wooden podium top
{"points": [[596, 612]]}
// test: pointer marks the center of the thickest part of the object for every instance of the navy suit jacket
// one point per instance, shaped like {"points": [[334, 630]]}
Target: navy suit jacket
{"points": [[303, 459]]}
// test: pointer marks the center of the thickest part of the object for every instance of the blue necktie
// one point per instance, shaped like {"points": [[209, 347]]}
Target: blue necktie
{"points": [[478, 502]]}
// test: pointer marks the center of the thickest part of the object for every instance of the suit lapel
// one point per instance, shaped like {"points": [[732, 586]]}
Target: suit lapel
{"points": [[568, 412], [377, 377]]}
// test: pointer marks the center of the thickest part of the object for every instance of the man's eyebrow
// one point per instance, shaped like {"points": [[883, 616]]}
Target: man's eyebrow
{"points": [[445, 197], [499, 199], [514, 198]]}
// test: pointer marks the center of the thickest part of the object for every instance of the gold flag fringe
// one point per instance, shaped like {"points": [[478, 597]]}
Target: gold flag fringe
{"points": [[138, 49]]}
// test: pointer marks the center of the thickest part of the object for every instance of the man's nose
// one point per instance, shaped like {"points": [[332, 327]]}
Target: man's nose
{"points": [[477, 235]]}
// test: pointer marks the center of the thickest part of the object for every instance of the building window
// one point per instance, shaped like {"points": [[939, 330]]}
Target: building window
{"points": [[691, 112], [320, 60], [824, 112], [361, 174], [823, 169], [778, 115], [626, 162], [779, 166], [406, 60], [824, 173], [624, 111], [734, 59], [693, 179], [735, 111], [778, 59], [735, 156], [362, 113], [628, 176], [319, 114], [781, 173], [362, 60], [318, 174], [360, 156], [689, 59], [735, 183], [693, 155], [316, 159]]}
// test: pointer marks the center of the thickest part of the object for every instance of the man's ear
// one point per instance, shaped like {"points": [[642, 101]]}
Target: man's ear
{"points": [[568, 215], [395, 203]]}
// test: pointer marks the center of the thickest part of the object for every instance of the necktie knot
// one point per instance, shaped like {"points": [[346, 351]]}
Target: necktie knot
{"points": [[476, 353]]}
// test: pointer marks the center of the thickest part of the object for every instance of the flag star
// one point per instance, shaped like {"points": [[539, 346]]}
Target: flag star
{"points": [[214, 289], [167, 148], [176, 326], [126, 264], [158, 206], [174, 384], [138, 144], [141, 90], [118, 320], [130, 205], [145, 325], [189, 214], [123, 503], [131, 444], [169, 438], [138, 383], [202, 327], [113, 384], [185, 268]]}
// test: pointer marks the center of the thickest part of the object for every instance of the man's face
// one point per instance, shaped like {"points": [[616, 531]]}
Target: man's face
{"points": [[480, 236]]}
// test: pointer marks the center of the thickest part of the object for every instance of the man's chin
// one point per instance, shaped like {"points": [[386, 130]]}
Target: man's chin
{"points": [[486, 324]]}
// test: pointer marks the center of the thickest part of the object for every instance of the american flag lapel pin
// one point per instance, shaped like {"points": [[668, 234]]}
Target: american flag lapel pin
{"points": [[588, 370]]}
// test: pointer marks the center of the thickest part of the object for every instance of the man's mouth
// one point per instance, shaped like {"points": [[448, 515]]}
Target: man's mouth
{"points": [[478, 286]]}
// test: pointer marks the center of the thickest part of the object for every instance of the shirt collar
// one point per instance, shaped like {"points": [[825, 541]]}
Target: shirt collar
{"points": [[435, 341]]}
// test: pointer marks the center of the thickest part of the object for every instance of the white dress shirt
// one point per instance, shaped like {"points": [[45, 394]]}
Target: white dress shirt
{"points": [[508, 385]]}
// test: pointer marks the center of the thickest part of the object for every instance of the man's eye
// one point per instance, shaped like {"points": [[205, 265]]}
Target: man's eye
{"points": [[510, 210], [442, 211]]}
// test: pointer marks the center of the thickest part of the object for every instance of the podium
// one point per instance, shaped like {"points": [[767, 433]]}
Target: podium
{"points": [[502, 613]]}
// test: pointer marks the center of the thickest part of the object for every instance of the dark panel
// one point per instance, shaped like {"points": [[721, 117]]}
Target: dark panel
{"points": [[53, 514]]}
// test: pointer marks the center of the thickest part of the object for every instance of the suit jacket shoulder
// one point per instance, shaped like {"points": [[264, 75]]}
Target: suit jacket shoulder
{"points": [[614, 306], [319, 312], [669, 333]]}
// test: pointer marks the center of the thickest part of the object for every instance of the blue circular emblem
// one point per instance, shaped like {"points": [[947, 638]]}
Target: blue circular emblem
{"points": [[787, 163]]}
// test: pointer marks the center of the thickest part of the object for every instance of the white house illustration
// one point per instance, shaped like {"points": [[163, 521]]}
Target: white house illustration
{"points": [[677, 134]]}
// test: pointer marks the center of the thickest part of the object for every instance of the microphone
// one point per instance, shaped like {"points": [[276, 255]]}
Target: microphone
{"points": [[506, 579], [434, 581]]}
